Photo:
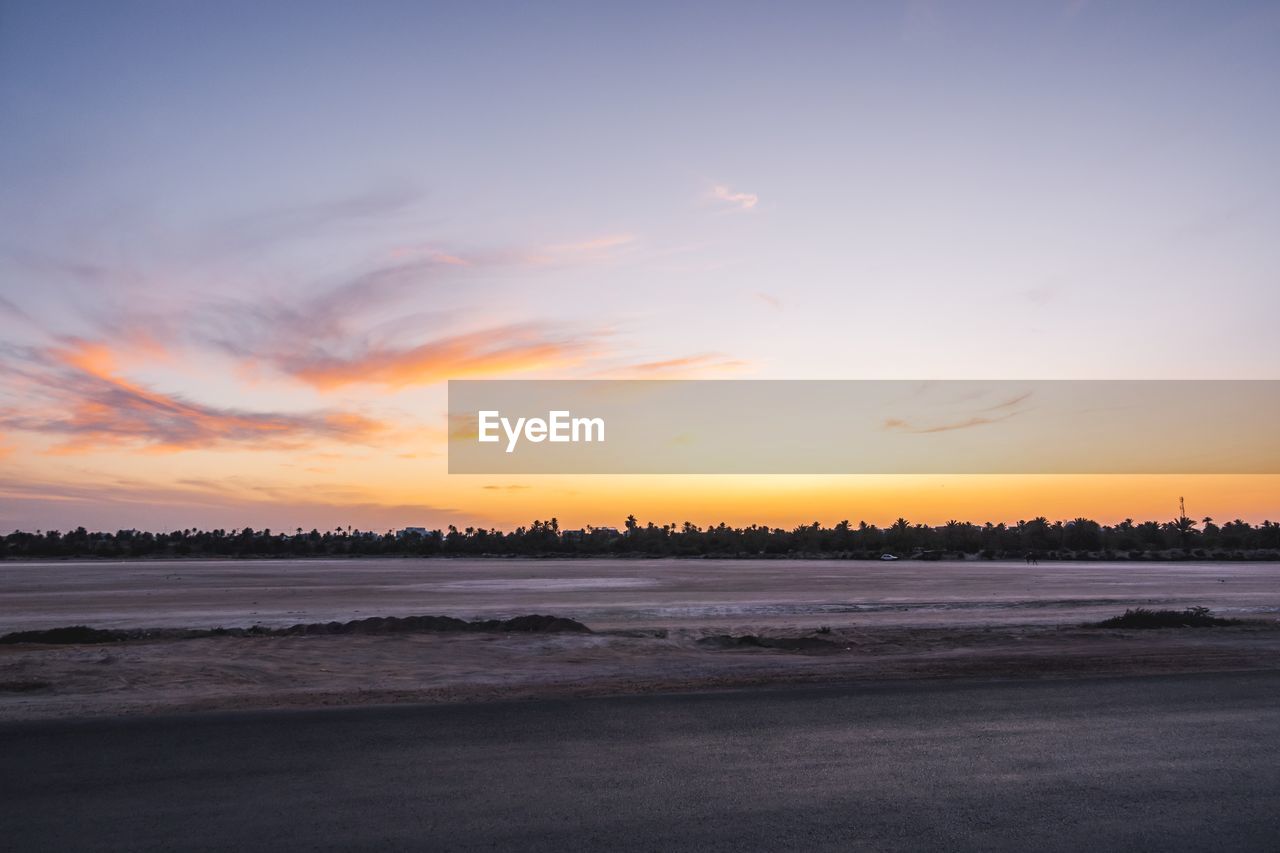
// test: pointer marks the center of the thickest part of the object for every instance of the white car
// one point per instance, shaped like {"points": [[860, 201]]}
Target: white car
{"points": [[888, 557]]}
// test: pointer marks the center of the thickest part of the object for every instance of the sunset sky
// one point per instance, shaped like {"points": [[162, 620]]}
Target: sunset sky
{"points": [[244, 245]]}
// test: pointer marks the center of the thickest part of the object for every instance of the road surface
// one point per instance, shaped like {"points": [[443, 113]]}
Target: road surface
{"points": [[1188, 762]]}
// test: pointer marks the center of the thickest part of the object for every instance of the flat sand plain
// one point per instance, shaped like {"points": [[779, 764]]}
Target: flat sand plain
{"points": [[886, 620]]}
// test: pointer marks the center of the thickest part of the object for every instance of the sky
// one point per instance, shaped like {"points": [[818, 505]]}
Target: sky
{"points": [[243, 246]]}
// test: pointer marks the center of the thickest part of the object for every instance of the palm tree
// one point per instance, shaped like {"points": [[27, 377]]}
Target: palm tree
{"points": [[900, 534]]}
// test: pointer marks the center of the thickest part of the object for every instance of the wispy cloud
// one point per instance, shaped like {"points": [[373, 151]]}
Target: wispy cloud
{"points": [[1041, 295], [991, 414], [273, 325], [342, 336], [701, 365], [350, 333], [591, 250], [76, 396], [744, 201], [968, 423], [596, 244], [305, 221], [768, 299], [358, 328], [1012, 402], [10, 308], [499, 351], [432, 254]]}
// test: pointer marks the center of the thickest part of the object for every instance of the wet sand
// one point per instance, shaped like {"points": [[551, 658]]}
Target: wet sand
{"points": [[616, 593], [887, 621]]}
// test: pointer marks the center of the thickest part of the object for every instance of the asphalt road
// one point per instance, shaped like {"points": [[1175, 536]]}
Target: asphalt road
{"points": [[1163, 763]]}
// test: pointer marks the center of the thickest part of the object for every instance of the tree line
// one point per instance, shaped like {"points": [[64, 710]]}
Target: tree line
{"points": [[1079, 538]]}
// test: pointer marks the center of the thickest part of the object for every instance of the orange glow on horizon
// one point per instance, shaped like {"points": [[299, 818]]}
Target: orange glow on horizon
{"points": [[789, 501]]}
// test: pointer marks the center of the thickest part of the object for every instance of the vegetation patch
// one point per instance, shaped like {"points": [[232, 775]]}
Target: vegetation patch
{"points": [[436, 624], [754, 641], [80, 634], [1192, 617], [73, 635], [1182, 538], [23, 686]]}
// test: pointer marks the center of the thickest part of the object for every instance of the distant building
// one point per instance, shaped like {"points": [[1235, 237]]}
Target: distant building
{"points": [[411, 531], [581, 535]]}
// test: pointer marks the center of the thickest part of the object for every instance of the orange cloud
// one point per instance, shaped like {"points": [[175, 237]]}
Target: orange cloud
{"points": [[92, 407], [93, 358], [500, 351], [463, 426]]}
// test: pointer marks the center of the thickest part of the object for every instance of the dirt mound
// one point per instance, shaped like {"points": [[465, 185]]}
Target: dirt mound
{"points": [[374, 625], [754, 641], [534, 623]]}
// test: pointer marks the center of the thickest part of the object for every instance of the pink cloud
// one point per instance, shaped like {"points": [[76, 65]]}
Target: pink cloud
{"points": [[745, 201], [499, 351], [77, 395]]}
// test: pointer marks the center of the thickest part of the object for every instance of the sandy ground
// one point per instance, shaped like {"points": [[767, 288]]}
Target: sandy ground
{"points": [[887, 621]]}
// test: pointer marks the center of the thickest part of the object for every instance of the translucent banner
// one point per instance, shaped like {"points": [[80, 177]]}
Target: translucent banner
{"points": [[864, 427]]}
